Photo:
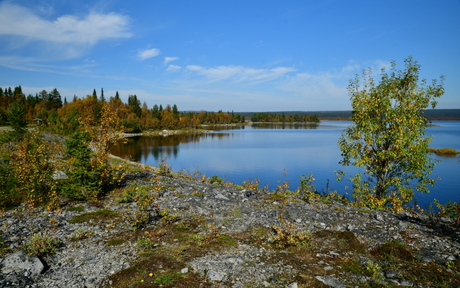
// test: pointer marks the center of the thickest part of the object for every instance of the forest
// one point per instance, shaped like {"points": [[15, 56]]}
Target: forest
{"points": [[62, 116]]}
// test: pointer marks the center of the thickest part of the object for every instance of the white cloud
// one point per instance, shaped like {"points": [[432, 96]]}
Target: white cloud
{"points": [[173, 68], [149, 53], [68, 29], [169, 59], [240, 73]]}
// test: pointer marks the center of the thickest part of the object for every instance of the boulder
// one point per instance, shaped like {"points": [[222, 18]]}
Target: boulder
{"points": [[21, 262]]}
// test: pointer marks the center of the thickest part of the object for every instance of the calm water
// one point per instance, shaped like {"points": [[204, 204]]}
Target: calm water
{"points": [[274, 153]]}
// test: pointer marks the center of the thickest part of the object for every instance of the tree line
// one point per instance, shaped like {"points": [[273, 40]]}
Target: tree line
{"points": [[62, 116], [268, 117]]}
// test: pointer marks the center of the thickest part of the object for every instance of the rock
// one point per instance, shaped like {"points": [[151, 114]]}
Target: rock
{"points": [[406, 283], [379, 217], [331, 281], [215, 276], [184, 270], [22, 263], [59, 175], [222, 197], [451, 258], [292, 285]]}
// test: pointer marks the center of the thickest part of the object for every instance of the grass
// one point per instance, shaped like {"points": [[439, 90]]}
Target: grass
{"points": [[115, 242], [443, 151]]}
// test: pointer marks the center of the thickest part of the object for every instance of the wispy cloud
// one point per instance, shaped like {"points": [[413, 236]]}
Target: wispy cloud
{"points": [[88, 30], [240, 73], [169, 59], [29, 33], [173, 68], [149, 53]]}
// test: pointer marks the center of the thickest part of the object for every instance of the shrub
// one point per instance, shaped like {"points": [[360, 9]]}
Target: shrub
{"points": [[130, 126], [33, 166], [287, 235], [41, 244]]}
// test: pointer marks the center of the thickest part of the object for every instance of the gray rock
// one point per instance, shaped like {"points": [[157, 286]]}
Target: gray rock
{"points": [[59, 175], [215, 276], [331, 281], [222, 197], [23, 263], [406, 283], [379, 217], [451, 258]]}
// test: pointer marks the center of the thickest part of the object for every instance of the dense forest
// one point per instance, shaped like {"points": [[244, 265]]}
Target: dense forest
{"points": [[282, 117], [62, 115]]}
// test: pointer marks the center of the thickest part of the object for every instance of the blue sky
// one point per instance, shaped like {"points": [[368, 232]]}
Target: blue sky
{"points": [[240, 55]]}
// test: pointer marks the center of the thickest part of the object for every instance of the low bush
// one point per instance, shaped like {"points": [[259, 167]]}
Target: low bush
{"points": [[41, 244]]}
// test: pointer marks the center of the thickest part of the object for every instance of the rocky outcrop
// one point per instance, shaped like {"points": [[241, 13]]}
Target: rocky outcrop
{"points": [[89, 261]]}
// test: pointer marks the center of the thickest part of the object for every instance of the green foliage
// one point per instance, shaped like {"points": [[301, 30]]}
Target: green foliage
{"points": [[145, 243], [450, 209], [41, 244], [386, 137], [8, 182], [167, 278], [16, 118], [33, 167], [131, 126], [82, 175], [268, 117], [215, 179]]}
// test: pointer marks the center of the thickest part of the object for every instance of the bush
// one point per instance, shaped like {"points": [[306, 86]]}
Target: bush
{"points": [[131, 126], [40, 245], [32, 165]]}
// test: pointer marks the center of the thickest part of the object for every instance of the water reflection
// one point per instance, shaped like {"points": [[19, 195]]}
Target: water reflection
{"points": [[285, 125], [141, 148], [267, 151]]}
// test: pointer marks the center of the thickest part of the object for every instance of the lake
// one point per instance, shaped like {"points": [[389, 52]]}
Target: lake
{"points": [[275, 153]]}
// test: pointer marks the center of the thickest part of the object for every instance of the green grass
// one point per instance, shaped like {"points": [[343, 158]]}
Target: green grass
{"points": [[104, 214]]}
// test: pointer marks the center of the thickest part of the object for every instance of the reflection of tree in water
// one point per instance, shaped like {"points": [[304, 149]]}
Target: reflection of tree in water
{"points": [[141, 147], [285, 126]]}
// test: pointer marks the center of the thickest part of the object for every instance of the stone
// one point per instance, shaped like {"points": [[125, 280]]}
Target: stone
{"points": [[331, 281], [222, 197], [215, 276], [292, 285], [184, 270], [20, 261], [451, 258], [379, 217], [59, 175]]}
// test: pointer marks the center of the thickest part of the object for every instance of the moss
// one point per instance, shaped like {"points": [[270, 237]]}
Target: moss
{"points": [[104, 214], [115, 242], [393, 250]]}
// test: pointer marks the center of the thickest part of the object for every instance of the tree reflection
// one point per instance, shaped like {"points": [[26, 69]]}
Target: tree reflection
{"points": [[140, 148]]}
